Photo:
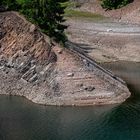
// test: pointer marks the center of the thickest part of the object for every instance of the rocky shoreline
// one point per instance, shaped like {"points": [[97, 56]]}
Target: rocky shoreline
{"points": [[31, 67]]}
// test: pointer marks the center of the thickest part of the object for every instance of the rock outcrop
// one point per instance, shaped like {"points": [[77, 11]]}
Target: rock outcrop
{"points": [[50, 75]]}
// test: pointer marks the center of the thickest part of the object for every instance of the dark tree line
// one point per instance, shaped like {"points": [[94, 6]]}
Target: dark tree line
{"points": [[114, 4]]}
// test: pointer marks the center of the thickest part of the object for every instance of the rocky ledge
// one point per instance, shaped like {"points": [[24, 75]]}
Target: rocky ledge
{"points": [[31, 67]]}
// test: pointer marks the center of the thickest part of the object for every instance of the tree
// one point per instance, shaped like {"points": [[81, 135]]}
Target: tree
{"points": [[10, 4], [47, 14]]}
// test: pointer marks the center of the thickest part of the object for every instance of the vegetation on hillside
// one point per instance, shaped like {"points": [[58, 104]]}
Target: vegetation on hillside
{"points": [[81, 14], [114, 4], [47, 14]]}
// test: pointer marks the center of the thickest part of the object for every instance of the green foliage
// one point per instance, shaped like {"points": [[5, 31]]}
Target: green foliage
{"points": [[47, 14], [81, 14], [10, 4], [114, 4]]}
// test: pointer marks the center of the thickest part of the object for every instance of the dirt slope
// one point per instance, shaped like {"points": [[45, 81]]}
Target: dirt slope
{"points": [[106, 41], [129, 13]]}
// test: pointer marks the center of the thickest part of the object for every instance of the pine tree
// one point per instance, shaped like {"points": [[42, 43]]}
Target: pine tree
{"points": [[50, 15], [9, 4]]}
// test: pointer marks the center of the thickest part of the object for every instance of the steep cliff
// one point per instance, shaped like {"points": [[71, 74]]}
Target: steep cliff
{"points": [[51, 75]]}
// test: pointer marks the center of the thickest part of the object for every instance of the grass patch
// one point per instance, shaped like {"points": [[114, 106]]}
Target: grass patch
{"points": [[71, 4], [82, 14]]}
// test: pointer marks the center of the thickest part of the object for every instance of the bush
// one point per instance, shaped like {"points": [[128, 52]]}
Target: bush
{"points": [[114, 4], [10, 4]]}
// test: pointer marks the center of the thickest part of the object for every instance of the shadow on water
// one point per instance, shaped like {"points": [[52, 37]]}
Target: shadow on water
{"points": [[124, 120]]}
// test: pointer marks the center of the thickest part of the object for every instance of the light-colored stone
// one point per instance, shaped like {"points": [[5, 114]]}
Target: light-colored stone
{"points": [[32, 28], [70, 74]]}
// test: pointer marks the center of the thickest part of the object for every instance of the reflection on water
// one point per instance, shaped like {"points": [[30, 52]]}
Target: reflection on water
{"points": [[130, 72], [23, 120]]}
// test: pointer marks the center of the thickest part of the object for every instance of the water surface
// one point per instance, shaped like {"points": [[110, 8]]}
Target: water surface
{"points": [[22, 120]]}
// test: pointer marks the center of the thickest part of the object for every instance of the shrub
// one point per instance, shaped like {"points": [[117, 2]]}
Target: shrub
{"points": [[114, 4]]}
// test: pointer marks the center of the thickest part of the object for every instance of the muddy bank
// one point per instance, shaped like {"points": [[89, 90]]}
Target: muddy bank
{"points": [[31, 67]]}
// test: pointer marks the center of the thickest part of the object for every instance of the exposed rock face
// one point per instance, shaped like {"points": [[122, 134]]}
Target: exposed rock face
{"points": [[30, 67]]}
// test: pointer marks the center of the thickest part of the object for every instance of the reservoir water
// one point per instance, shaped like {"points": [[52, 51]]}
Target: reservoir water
{"points": [[22, 120]]}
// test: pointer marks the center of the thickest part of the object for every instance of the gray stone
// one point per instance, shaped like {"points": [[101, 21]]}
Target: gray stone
{"points": [[1, 67], [33, 67], [109, 30], [34, 78], [30, 73], [10, 62], [32, 28], [70, 74], [23, 81], [38, 68], [33, 62], [60, 51]]}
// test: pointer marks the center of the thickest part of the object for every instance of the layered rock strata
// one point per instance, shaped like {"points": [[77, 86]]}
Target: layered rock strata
{"points": [[31, 67]]}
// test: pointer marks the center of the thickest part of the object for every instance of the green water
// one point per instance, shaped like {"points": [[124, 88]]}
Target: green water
{"points": [[22, 120]]}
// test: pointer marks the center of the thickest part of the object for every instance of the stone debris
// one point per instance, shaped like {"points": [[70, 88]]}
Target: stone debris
{"points": [[33, 79], [109, 30], [89, 88], [60, 51], [70, 74]]}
